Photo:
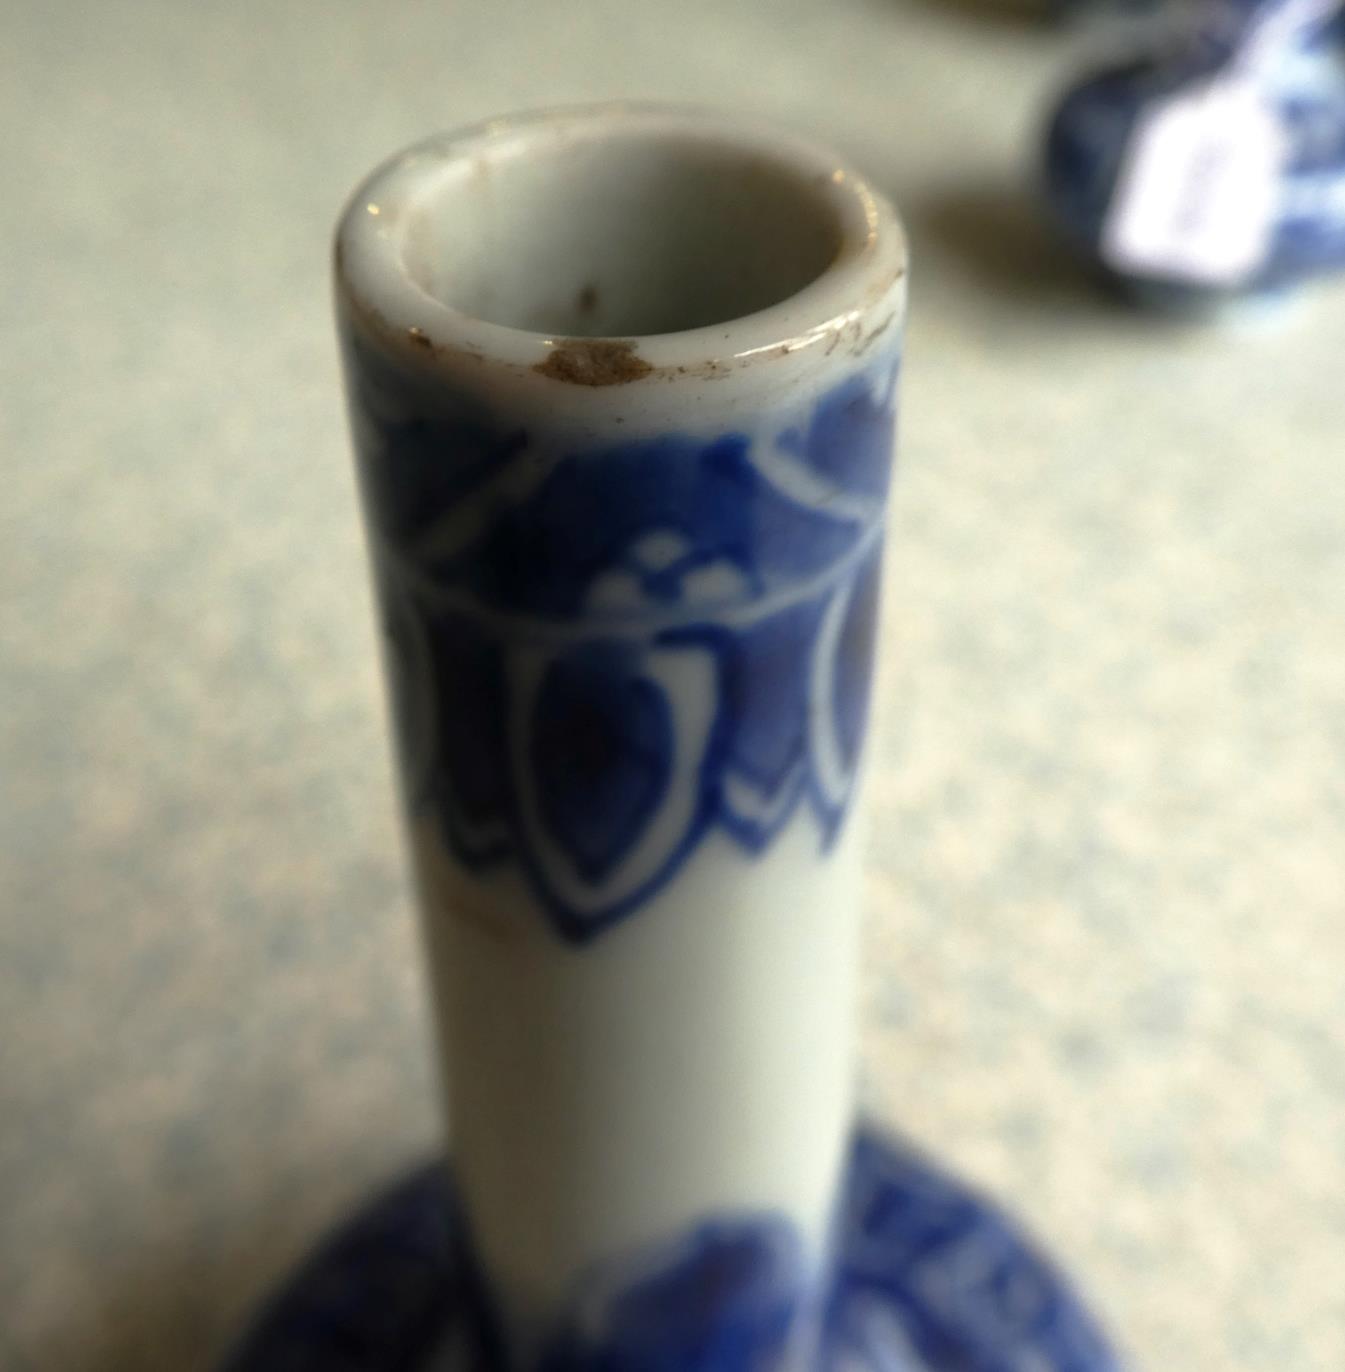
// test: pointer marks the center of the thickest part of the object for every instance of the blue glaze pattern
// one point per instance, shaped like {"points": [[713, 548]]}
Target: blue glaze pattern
{"points": [[1300, 74], [600, 656], [933, 1277], [724, 1299], [928, 1277]]}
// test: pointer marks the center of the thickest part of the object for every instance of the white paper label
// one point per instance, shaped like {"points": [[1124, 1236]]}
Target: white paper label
{"points": [[1198, 193]]}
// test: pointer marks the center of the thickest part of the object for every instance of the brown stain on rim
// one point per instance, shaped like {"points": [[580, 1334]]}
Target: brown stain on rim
{"points": [[599, 361], [594, 362], [613, 362]]}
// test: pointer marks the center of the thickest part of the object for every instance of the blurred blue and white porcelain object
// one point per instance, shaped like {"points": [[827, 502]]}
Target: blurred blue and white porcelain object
{"points": [[1213, 164], [623, 390]]}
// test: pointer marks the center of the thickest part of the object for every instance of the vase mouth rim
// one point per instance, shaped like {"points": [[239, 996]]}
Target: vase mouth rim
{"points": [[849, 288]]}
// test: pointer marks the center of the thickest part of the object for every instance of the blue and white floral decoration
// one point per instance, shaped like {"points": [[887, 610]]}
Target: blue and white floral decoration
{"points": [[602, 656], [927, 1277]]}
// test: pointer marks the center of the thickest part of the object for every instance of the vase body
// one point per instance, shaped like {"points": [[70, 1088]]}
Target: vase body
{"points": [[622, 385]]}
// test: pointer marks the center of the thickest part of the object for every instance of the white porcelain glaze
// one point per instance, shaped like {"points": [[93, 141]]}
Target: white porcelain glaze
{"points": [[630, 742]]}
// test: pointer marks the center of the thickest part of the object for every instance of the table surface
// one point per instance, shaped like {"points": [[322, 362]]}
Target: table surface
{"points": [[1104, 972]]}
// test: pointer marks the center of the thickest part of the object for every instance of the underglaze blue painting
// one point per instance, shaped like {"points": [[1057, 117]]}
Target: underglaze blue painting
{"points": [[933, 1277], [927, 1277], [726, 1298], [602, 655]]}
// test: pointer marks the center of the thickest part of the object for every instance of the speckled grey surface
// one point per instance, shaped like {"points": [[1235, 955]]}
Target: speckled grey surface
{"points": [[1107, 939]]}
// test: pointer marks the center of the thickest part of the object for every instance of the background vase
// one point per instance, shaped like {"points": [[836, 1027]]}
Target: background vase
{"points": [[622, 383]]}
